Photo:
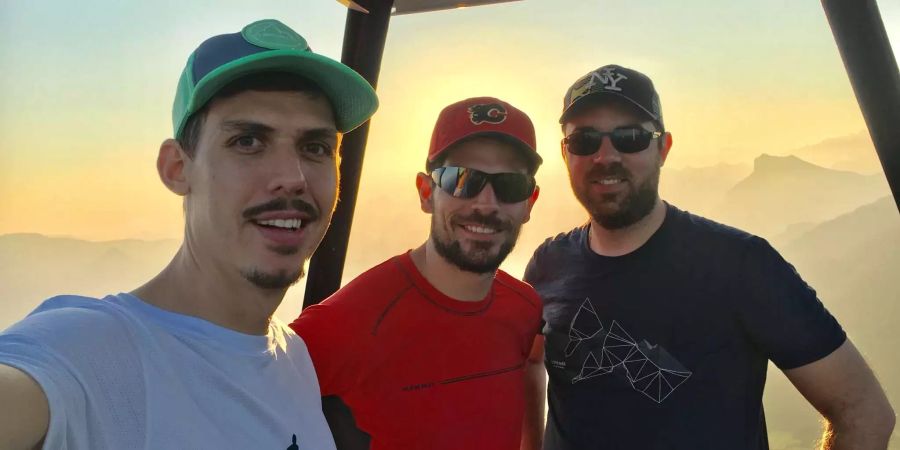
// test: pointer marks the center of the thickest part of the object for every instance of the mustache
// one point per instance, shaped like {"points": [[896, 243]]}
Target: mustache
{"points": [[489, 221], [282, 204], [615, 169]]}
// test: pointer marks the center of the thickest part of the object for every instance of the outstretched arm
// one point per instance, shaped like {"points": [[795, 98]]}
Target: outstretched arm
{"points": [[25, 414], [535, 390], [842, 387]]}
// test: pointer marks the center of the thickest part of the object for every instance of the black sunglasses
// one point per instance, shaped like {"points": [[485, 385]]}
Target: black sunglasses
{"points": [[630, 139], [462, 182]]}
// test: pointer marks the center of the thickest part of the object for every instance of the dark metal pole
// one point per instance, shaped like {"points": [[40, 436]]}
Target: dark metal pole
{"points": [[870, 63], [364, 38]]}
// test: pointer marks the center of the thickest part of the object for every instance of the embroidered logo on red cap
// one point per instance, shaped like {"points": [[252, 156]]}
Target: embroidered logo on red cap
{"points": [[489, 112]]}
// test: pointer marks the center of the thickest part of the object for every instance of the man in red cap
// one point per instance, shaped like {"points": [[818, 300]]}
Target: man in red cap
{"points": [[430, 349]]}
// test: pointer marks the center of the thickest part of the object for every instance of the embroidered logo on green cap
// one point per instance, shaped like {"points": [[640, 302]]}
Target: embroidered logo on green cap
{"points": [[274, 35]]}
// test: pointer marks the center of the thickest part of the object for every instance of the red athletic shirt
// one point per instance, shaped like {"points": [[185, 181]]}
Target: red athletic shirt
{"points": [[420, 370]]}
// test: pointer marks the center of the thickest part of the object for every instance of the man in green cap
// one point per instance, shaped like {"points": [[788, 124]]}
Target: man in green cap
{"points": [[194, 357]]}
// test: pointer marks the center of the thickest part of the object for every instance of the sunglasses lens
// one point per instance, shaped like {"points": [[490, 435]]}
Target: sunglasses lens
{"points": [[631, 140], [583, 144], [459, 182], [512, 187]]}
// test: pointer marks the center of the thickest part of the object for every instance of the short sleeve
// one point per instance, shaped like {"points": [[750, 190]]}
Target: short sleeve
{"points": [[780, 312], [53, 373], [81, 352], [332, 341], [533, 272]]}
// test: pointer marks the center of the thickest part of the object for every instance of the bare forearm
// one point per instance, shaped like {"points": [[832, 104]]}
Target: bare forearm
{"points": [[844, 389], [865, 434]]}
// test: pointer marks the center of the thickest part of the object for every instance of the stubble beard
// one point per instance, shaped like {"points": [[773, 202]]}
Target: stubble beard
{"points": [[272, 281], [637, 203], [479, 259]]}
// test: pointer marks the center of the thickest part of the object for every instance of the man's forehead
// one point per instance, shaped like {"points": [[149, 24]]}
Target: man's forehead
{"points": [[608, 110], [486, 150], [292, 112]]}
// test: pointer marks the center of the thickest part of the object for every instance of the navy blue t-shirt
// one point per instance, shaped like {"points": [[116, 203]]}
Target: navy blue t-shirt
{"points": [[667, 347]]}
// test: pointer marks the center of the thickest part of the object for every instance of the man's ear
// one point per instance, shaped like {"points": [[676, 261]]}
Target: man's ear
{"points": [[170, 164], [665, 146], [531, 200], [424, 186], [565, 154]]}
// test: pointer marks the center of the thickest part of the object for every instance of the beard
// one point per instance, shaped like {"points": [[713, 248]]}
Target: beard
{"points": [[478, 259], [638, 201], [272, 281]]}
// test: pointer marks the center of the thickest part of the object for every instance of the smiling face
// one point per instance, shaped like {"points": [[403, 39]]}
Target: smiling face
{"points": [[617, 189], [476, 234], [262, 185]]}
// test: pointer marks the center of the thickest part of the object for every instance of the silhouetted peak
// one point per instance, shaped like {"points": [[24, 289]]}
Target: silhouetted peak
{"points": [[769, 163]]}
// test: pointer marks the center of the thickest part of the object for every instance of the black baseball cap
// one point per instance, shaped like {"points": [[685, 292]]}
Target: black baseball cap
{"points": [[614, 81]]}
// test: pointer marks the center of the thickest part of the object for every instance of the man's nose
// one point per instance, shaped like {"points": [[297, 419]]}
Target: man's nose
{"points": [[486, 200], [287, 177], [607, 152]]}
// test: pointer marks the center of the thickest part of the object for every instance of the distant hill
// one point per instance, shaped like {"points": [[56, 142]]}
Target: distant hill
{"points": [[853, 262], [853, 152], [786, 190], [700, 189], [34, 267]]}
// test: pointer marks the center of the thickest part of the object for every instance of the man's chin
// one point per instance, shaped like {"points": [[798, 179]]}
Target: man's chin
{"points": [[273, 279], [478, 257]]}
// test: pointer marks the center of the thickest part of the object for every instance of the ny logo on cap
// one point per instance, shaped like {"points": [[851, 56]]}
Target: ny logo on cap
{"points": [[605, 78], [491, 113], [608, 79]]}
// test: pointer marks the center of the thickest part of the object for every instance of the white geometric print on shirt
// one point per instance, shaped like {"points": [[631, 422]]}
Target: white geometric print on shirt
{"points": [[650, 369]]}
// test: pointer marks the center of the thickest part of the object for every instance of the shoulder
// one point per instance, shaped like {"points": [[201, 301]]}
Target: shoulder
{"points": [[562, 242], [695, 233], [372, 289], [377, 281], [68, 341], [507, 284], [68, 321], [353, 304], [556, 251], [687, 222]]}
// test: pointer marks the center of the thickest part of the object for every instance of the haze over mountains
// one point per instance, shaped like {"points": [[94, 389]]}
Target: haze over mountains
{"points": [[840, 229], [783, 191]]}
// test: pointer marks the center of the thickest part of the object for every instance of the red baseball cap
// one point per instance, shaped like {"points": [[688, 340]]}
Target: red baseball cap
{"points": [[483, 115]]}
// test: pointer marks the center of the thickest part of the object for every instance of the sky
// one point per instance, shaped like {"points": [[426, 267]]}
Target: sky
{"points": [[87, 88]]}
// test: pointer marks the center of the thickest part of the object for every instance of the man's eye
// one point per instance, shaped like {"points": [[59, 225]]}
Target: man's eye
{"points": [[247, 144], [247, 141], [318, 149]]}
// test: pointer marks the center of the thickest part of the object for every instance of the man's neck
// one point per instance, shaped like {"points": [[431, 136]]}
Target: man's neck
{"points": [[226, 300], [448, 278], [623, 241]]}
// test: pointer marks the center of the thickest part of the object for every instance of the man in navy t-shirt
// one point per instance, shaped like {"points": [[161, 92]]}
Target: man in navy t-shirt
{"points": [[660, 323]]}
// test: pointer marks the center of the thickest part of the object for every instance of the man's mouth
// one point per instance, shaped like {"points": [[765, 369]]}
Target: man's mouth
{"points": [[609, 181], [284, 224], [478, 229]]}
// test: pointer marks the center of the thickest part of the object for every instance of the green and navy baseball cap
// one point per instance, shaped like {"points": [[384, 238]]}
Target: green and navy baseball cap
{"points": [[269, 46]]}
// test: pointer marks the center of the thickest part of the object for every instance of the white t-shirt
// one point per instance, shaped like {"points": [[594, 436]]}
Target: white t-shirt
{"points": [[120, 373]]}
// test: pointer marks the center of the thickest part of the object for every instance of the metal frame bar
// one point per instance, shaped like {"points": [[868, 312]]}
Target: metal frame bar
{"points": [[872, 68], [364, 38]]}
